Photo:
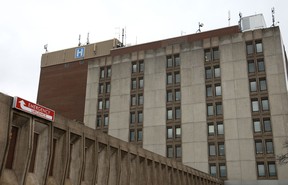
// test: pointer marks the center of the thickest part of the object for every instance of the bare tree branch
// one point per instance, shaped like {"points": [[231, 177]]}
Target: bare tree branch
{"points": [[283, 158]]}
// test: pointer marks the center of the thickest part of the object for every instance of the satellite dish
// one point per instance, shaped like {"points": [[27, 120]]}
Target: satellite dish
{"points": [[46, 47]]}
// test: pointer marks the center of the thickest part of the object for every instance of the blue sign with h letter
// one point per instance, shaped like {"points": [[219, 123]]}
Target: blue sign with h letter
{"points": [[80, 52]]}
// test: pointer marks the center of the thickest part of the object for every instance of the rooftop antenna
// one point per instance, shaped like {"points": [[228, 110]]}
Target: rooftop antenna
{"points": [[229, 18], [46, 47], [79, 44], [240, 19], [123, 36], [199, 27], [88, 39], [273, 17]]}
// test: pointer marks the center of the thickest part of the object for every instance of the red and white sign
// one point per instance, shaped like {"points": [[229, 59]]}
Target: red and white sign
{"points": [[32, 108]]}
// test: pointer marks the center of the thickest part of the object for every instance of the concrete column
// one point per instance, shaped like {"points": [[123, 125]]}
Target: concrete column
{"points": [[91, 98], [41, 164], [103, 164], [113, 166], [125, 169], [120, 98], [239, 142], [154, 126], [60, 156], [89, 162], [5, 108]]}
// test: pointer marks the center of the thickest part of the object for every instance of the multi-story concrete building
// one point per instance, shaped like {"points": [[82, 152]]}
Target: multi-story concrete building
{"points": [[216, 100]]}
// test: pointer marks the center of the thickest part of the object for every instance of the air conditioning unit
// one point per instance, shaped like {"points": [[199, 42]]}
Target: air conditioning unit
{"points": [[253, 22]]}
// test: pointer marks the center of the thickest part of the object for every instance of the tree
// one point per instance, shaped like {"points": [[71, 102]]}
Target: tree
{"points": [[283, 158]]}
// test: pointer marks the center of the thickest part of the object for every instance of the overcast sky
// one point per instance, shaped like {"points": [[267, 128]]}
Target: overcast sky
{"points": [[27, 25]]}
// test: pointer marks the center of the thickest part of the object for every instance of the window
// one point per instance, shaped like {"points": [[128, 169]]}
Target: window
{"points": [[177, 60], [260, 64], [140, 99], [217, 72], [220, 128], [218, 91], [101, 88], [253, 85], [207, 55], [218, 108], [132, 117], [140, 117], [178, 149], [132, 135], [169, 96], [213, 170], [134, 67], [221, 149], [251, 66], [139, 135], [108, 87], [272, 169], [169, 61], [261, 169], [263, 86], [212, 150], [169, 151], [108, 72], [255, 106], [177, 113], [100, 105], [177, 77], [106, 120], [141, 66], [208, 73], [177, 131], [107, 104], [259, 147], [169, 114], [216, 54], [267, 125], [249, 48], [265, 104], [169, 133], [102, 73], [208, 90], [223, 172], [257, 125], [210, 111], [133, 84], [169, 78], [177, 95], [141, 83], [259, 48], [211, 129], [269, 147], [133, 100], [99, 121]]}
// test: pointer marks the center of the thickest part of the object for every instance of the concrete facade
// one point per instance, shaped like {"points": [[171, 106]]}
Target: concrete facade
{"points": [[239, 141], [241, 159], [39, 152]]}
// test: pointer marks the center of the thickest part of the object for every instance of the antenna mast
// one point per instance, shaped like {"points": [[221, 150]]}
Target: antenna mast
{"points": [[273, 16], [229, 18], [46, 47], [79, 44], [240, 19], [88, 39], [122, 36], [199, 27]]}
